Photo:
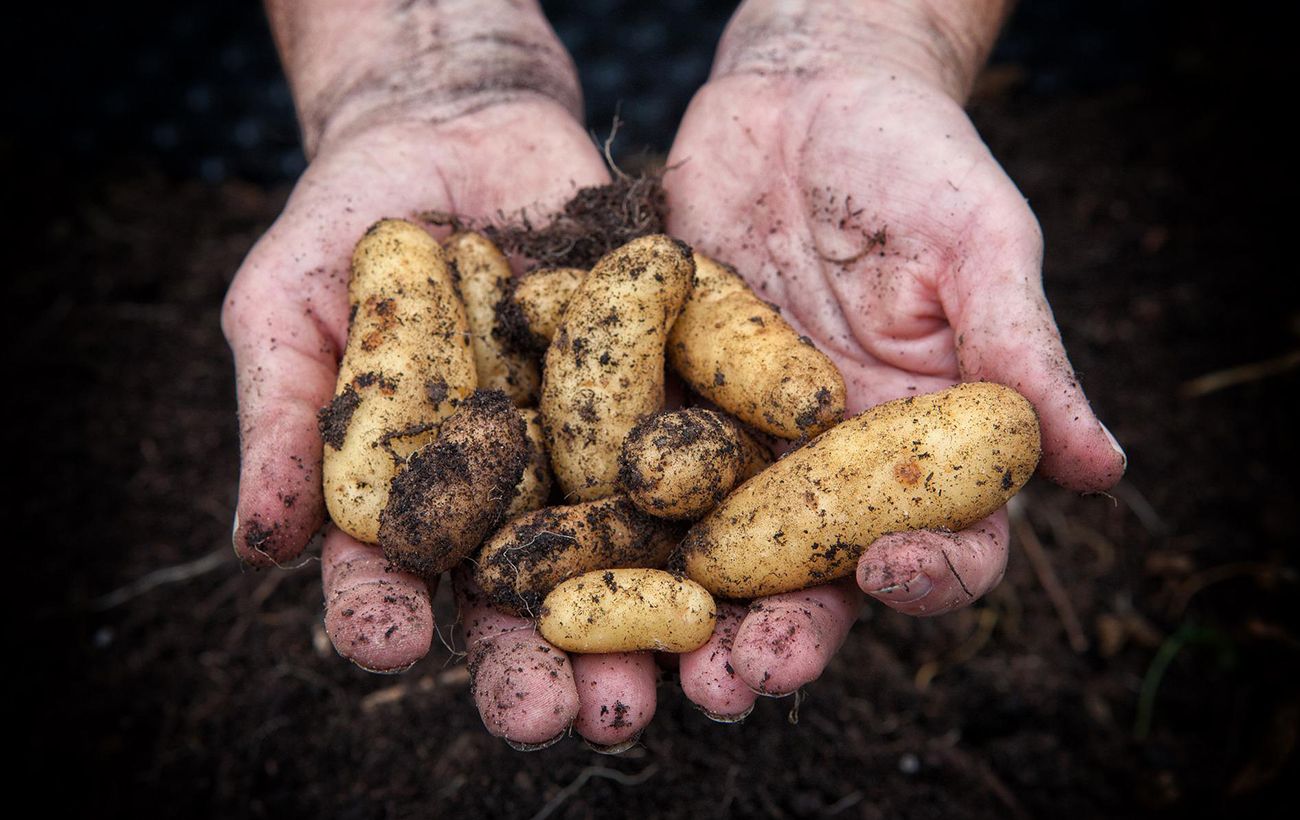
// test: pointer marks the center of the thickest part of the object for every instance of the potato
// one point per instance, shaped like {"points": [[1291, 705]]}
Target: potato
{"points": [[728, 344], [455, 490], [737, 351], [604, 370], [534, 488], [537, 304], [484, 278], [533, 553], [627, 610], [679, 465], [406, 366], [939, 461]]}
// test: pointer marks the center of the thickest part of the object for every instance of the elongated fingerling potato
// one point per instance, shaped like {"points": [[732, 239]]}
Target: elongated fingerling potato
{"points": [[604, 370], [533, 553], [939, 461], [679, 465], [628, 610], [484, 278], [406, 366], [535, 487], [455, 490], [737, 351]]}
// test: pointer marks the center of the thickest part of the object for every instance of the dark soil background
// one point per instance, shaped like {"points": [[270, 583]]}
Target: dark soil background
{"points": [[1141, 658]]}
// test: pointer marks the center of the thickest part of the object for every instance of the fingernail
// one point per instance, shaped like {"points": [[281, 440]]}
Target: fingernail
{"points": [[234, 533], [396, 670], [1114, 443], [614, 748], [911, 590], [534, 747], [720, 718]]}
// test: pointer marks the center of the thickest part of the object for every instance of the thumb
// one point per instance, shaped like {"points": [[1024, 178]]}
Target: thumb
{"points": [[1005, 333]]}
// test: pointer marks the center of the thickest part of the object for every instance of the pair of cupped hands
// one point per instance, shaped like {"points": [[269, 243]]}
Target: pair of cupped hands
{"points": [[866, 207]]}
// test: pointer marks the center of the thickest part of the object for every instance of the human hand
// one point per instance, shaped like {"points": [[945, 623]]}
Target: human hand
{"points": [[847, 185], [477, 118]]}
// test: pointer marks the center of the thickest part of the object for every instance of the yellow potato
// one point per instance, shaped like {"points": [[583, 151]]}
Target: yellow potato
{"points": [[627, 610], [533, 553], [535, 487], [679, 465], [539, 299], [737, 351], [484, 278], [728, 344], [604, 370], [407, 365], [939, 461]]}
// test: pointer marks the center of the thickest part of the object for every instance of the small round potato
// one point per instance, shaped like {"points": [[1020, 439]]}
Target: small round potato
{"points": [[679, 465], [533, 553], [628, 610], [604, 370], [536, 305], [940, 461], [407, 365], [737, 351]]}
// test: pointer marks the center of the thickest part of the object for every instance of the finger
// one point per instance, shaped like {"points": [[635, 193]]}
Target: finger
{"points": [[786, 640], [285, 365], [708, 678], [380, 619], [523, 686], [616, 694], [1005, 333], [927, 572]]}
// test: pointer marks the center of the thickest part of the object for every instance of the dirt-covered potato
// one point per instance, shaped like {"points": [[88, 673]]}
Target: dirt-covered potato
{"points": [[737, 351], [535, 487], [484, 278], [536, 304], [940, 461], [455, 490], [627, 610], [406, 366], [533, 553], [679, 465], [604, 370]]}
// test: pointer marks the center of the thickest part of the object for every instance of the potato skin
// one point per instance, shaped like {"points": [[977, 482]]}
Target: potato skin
{"points": [[484, 278], [736, 350], [534, 553], [455, 490], [943, 460], [604, 369], [679, 465], [628, 610], [406, 366], [537, 303], [534, 488]]}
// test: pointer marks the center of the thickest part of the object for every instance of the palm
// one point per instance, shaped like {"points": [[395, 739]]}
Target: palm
{"points": [[856, 216]]}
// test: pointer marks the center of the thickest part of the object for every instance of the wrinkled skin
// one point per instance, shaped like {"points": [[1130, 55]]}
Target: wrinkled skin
{"points": [[286, 319], [868, 208]]}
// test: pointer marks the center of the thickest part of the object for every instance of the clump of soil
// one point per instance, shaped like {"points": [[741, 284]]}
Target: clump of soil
{"points": [[594, 222]]}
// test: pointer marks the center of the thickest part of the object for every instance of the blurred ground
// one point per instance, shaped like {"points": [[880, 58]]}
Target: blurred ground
{"points": [[1141, 658]]}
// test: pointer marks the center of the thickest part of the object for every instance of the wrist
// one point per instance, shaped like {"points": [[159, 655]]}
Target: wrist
{"points": [[939, 43], [357, 64]]}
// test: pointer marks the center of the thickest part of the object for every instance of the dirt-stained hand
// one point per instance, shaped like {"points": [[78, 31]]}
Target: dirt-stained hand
{"points": [[867, 207]]}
